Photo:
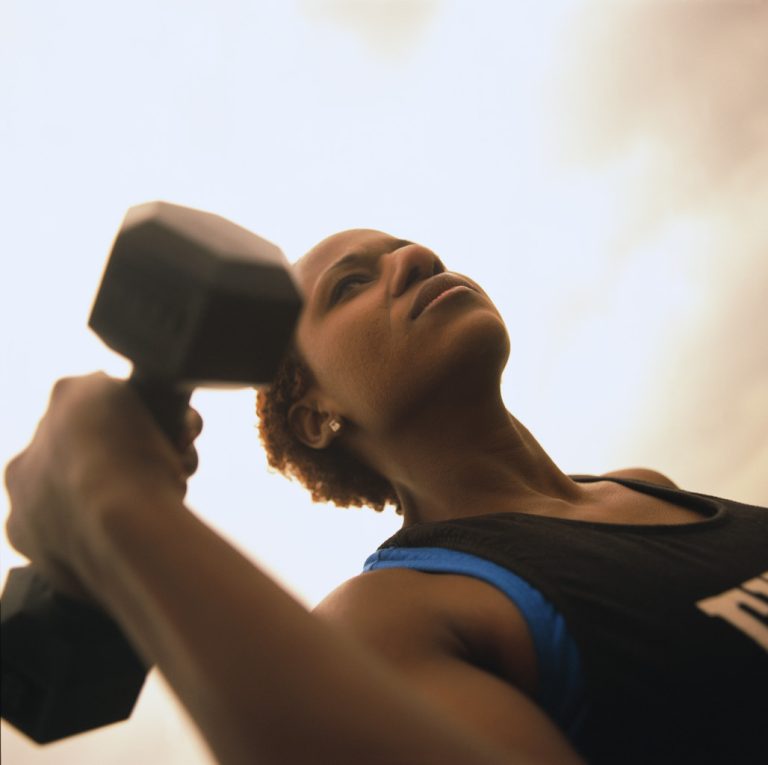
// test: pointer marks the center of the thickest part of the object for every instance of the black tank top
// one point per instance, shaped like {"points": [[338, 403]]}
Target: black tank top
{"points": [[671, 621]]}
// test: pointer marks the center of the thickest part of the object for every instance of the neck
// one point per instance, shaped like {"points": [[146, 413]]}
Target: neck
{"points": [[451, 461]]}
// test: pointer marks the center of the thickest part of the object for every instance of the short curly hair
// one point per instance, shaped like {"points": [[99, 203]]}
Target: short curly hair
{"points": [[332, 474]]}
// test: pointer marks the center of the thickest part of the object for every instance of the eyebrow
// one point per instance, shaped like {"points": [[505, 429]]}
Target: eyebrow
{"points": [[361, 257], [365, 255]]}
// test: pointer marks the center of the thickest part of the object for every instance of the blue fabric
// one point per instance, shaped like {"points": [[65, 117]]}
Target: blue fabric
{"points": [[561, 682]]}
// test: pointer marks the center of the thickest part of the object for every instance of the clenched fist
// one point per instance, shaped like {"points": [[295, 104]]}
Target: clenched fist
{"points": [[96, 448]]}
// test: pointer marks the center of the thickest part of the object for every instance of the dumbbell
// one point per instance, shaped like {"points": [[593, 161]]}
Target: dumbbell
{"points": [[191, 299]]}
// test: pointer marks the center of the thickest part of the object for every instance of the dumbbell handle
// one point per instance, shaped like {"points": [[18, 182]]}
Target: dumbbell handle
{"points": [[167, 402], [56, 634]]}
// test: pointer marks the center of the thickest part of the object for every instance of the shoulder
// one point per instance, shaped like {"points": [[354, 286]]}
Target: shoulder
{"points": [[407, 615], [643, 474], [459, 643], [396, 598]]}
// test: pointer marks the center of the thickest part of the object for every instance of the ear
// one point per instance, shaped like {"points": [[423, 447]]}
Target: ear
{"points": [[310, 425]]}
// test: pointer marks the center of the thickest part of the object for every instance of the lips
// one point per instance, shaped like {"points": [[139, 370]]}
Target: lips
{"points": [[434, 287]]}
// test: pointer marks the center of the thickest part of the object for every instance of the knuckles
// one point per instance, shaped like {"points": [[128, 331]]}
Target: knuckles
{"points": [[190, 461], [11, 472], [60, 387], [14, 532], [193, 424], [67, 386]]}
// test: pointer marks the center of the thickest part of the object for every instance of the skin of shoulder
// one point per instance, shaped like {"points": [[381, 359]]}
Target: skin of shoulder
{"points": [[459, 643], [643, 474]]}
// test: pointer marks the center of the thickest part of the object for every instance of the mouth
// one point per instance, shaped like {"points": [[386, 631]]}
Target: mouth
{"points": [[435, 287]]}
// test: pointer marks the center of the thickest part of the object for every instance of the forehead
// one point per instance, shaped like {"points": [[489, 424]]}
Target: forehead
{"points": [[324, 254]]}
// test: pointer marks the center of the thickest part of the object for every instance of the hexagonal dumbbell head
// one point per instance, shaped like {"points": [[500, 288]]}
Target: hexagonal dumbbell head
{"points": [[191, 297], [66, 666]]}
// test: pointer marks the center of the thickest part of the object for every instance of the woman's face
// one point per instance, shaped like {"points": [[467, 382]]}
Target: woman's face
{"points": [[375, 336]]}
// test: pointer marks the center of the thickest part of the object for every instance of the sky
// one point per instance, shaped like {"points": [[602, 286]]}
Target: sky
{"points": [[598, 166]]}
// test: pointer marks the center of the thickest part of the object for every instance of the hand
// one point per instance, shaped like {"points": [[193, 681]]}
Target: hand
{"points": [[193, 426], [96, 445]]}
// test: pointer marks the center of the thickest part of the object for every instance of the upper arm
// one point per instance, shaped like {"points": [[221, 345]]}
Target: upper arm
{"points": [[449, 637], [643, 474]]}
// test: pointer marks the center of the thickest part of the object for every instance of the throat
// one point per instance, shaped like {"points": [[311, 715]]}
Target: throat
{"points": [[470, 461]]}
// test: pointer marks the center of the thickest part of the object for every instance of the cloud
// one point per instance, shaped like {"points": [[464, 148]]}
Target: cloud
{"points": [[669, 98], [391, 28], [691, 74]]}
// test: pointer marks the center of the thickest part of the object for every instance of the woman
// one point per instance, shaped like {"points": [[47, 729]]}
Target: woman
{"points": [[541, 640]]}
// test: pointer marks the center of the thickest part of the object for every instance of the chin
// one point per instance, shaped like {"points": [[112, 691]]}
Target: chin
{"points": [[470, 354], [479, 332]]}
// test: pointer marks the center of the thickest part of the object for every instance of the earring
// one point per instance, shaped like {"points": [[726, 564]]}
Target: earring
{"points": [[334, 425]]}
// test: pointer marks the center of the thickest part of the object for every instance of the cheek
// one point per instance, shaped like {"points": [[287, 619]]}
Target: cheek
{"points": [[353, 361], [375, 371]]}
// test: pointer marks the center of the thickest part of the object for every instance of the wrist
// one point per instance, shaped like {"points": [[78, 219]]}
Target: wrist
{"points": [[116, 513]]}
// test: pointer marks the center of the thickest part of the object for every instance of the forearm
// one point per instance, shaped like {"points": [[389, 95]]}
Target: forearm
{"points": [[265, 680]]}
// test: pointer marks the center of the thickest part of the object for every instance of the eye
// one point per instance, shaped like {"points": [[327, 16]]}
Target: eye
{"points": [[343, 285]]}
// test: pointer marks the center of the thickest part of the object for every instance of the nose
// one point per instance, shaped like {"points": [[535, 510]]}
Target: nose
{"points": [[413, 263]]}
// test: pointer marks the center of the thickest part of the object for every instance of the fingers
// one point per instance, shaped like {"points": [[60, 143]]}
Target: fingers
{"points": [[189, 461], [12, 528], [193, 426], [17, 486], [194, 422]]}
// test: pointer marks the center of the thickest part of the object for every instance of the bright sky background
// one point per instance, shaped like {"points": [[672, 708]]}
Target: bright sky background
{"points": [[599, 166]]}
